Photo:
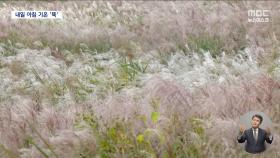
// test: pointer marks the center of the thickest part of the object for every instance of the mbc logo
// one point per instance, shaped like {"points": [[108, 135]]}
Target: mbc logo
{"points": [[256, 16], [258, 13]]}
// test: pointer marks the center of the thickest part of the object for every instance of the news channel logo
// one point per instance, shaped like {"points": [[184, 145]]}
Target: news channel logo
{"points": [[258, 16]]}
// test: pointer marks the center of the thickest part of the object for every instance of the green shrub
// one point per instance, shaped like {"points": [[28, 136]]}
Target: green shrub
{"points": [[203, 43], [129, 69]]}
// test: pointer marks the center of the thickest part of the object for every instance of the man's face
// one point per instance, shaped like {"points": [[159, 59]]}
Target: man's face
{"points": [[256, 122]]}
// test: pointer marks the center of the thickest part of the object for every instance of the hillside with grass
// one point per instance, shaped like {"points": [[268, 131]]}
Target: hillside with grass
{"points": [[141, 79]]}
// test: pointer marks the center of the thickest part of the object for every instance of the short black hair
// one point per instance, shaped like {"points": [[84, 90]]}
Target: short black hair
{"points": [[258, 116]]}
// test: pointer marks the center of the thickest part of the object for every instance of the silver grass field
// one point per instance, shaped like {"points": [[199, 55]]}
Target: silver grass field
{"points": [[142, 79]]}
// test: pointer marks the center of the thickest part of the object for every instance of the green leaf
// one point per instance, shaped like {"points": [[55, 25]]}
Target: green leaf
{"points": [[155, 116], [140, 138]]}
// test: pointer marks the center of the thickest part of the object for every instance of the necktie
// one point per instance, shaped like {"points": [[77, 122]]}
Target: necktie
{"points": [[255, 134]]}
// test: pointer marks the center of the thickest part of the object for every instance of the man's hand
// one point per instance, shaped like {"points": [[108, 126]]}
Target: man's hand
{"points": [[241, 138], [269, 137], [241, 128], [267, 130]]}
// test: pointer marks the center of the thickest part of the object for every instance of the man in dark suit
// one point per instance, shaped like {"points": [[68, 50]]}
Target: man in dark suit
{"points": [[255, 136]]}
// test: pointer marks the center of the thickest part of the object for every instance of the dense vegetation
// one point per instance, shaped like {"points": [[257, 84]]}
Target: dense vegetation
{"points": [[136, 79]]}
